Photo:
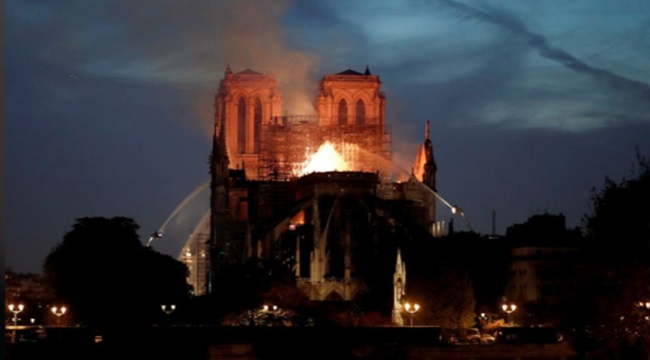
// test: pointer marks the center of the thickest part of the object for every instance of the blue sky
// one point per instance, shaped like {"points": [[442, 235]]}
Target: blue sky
{"points": [[109, 104]]}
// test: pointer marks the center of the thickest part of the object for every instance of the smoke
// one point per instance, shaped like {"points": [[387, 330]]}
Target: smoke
{"points": [[638, 91], [176, 44], [252, 37]]}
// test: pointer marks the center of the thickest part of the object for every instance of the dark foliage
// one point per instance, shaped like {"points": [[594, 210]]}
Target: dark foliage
{"points": [[616, 270], [619, 224], [108, 278]]}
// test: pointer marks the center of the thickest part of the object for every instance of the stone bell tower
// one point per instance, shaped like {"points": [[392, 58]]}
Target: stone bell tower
{"points": [[244, 102], [351, 98]]}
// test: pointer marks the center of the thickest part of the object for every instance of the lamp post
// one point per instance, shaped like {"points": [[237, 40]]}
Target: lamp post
{"points": [[270, 313], [483, 319], [508, 308], [645, 306], [168, 310], [58, 312], [411, 309], [16, 309]]}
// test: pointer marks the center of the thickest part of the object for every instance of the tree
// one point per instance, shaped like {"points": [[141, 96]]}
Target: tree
{"points": [[621, 216], [617, 261], [107, 277], [447, 299]]}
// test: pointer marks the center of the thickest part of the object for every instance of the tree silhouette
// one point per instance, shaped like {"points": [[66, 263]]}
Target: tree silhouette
{"points": [[108, 278], [621, 216], [617, 263]]}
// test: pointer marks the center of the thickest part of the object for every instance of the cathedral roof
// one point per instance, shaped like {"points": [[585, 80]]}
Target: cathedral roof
{"points": [[349, 72], [248, 72]]}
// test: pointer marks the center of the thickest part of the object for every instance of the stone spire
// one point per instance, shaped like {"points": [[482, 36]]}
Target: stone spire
{"points": [[399, 288]]}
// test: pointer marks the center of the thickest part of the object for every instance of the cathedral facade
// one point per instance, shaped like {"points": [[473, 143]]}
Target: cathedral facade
{"points": [[338, 230], [349, 112]]}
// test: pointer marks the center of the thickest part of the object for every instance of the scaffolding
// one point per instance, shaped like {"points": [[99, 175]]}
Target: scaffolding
{"points": [[287, 142]]}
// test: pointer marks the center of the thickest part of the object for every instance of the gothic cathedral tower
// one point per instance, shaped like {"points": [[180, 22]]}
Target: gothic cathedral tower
{"points": [[245, 101], [353, 106], [351, 98]]}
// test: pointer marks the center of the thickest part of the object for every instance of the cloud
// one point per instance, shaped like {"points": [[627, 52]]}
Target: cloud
{"points": [[484, 63], [633, 94], [186, 44]]}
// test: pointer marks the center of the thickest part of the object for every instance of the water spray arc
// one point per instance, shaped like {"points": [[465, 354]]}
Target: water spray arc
{"points": [[159, 233], [455, 209]]}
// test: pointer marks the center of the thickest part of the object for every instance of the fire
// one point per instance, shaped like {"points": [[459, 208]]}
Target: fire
{"points": [[325, 159]]}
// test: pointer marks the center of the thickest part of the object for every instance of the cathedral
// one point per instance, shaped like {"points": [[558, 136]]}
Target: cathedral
{"points": [[313, 192]]}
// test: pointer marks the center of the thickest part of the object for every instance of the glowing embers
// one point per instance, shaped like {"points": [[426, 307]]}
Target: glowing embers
{"points": [[324, 160]]}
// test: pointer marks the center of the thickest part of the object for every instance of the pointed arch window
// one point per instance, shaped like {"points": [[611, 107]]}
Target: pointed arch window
{"points": [[361, 113], [257, 121], [343, 112], [241, 125]]}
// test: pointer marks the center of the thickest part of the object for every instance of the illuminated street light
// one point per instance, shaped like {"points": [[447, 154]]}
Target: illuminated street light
{"points": [[645, 306], [411, 309], [58, 312], [272, 308], [168, 310], [508, 308], [270, 313], [16, 309], [483, 317]]}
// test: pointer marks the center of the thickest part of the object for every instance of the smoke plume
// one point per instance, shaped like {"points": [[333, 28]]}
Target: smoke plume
{"points": [[252, 38], [182, 44]]}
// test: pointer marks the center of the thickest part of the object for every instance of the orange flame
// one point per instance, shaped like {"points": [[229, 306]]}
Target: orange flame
{"points": [[325, 159]]}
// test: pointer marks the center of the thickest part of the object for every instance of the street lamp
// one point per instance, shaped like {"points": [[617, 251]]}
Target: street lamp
{"points": [[168, 310], [645, 306], [16, 309], [270, 313], [508, 308], [58, 312], [411, 309], [483, 318], [267, 308]]}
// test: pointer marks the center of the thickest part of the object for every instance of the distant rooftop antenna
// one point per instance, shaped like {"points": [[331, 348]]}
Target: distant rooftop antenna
{"points": [[494, 222]]}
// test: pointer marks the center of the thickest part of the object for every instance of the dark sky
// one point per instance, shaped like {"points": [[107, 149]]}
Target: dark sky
{"points": [[109, 103]]}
